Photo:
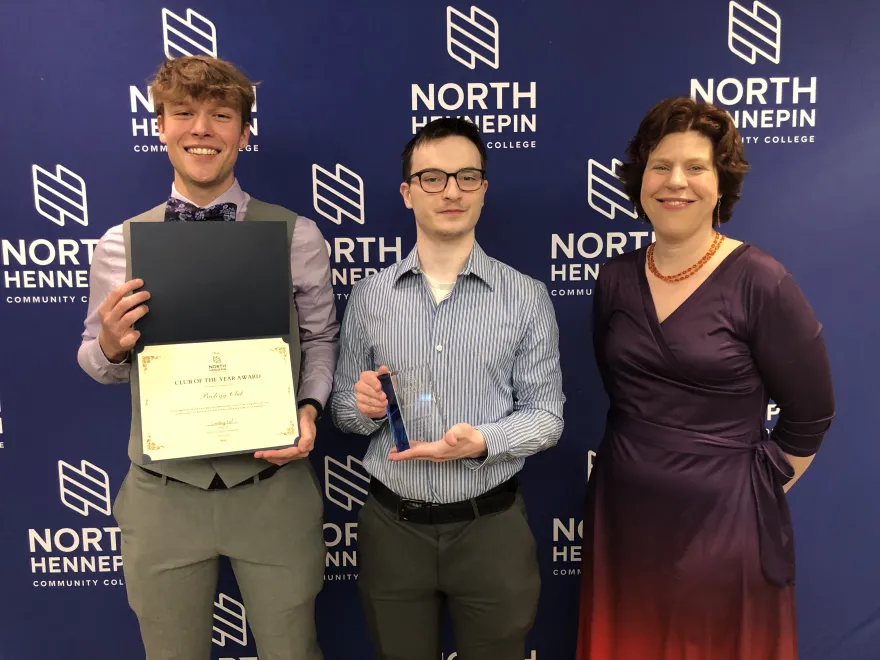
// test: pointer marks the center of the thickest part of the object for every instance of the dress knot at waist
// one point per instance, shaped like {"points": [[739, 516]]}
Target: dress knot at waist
{"points": [[770, 469]]}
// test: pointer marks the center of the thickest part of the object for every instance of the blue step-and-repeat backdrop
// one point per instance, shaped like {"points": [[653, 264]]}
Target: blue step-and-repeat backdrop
{"points": [[557, 87]]}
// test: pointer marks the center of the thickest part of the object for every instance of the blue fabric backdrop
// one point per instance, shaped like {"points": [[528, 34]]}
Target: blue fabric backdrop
{"points": [[558, 88]]}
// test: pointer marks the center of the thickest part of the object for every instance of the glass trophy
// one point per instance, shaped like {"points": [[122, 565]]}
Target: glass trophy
{"points": [[413, 410]]}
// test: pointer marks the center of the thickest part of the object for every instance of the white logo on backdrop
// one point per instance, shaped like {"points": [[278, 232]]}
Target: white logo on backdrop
{"points": [[83, 488], [345, 484], [60, 196], [335, 196], [230, 621], [472, 38], [753, 32], [193, 35], [605, 191]]}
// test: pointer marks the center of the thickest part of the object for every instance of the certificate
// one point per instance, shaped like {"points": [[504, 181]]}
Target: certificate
{"points": [[214, 398], [217, 363]]}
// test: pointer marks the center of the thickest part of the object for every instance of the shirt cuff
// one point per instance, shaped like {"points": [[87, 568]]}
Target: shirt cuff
{"points": [[369, 424], [496, 446], [319, 408], [102, 369]]}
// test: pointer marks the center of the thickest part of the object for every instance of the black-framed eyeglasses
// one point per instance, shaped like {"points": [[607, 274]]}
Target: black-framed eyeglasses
{"points": [[435, 181]]}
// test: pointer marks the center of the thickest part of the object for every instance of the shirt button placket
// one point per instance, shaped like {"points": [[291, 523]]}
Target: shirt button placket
{"points": [[438, 373]]}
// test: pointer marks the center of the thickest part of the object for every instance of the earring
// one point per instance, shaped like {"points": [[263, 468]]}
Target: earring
{"points": [[718, 214]]}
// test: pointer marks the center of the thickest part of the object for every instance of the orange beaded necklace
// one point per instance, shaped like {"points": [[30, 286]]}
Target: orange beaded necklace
{"points": [[683, 275]]}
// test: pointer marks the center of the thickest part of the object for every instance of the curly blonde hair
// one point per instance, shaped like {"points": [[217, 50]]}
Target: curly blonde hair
{"points": [[200, 78]]}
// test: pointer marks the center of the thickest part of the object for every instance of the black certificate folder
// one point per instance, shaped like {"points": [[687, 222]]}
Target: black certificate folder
{"points": [[212, 281]]}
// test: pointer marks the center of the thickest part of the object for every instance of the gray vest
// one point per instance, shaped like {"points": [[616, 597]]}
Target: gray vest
{"points": [[232, 469]]}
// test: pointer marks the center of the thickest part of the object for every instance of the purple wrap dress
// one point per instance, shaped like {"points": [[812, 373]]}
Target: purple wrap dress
{"points": [[688, 546]]}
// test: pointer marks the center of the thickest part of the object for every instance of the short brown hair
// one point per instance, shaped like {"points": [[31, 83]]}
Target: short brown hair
{"points": [[681, 114], [437, 130], [200, 78]]}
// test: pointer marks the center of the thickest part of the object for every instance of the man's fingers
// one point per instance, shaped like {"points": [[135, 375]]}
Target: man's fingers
{"points": [[129, 302], [365, 395], [367, 391], [368, 403], [138, 312], [122, 290], [285, 455], [371, 380], [119, 293], [285, 461], [369, 397], [418, 450], [129, 339]]}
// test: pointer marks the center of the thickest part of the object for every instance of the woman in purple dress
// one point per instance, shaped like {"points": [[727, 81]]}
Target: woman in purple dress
{"points": [[688, 548]]}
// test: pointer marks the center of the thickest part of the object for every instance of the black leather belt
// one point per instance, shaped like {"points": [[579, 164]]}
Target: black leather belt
{"points": [[416, 511], [217, 483]]}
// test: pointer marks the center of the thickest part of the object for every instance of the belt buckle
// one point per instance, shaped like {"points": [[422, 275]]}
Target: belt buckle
{"points": [[407, 506]]}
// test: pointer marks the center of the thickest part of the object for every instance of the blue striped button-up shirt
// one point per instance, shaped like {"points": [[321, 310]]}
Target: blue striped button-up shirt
{"points": [[491, 348]]}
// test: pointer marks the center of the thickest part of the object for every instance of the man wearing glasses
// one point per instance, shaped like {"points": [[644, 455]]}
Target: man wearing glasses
{"points": [[445, 522]]}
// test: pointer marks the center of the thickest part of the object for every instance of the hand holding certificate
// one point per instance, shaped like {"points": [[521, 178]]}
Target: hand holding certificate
{"points": [[214, 368], [118, 313]]}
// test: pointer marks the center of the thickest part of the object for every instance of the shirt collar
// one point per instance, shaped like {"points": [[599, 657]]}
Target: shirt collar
{"points": [[235, 195], [478, 264]]}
